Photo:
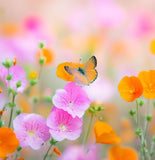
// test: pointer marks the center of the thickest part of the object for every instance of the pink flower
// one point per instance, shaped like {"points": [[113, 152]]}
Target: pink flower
{"points": [[18, 74], [79, 153], [31, 130], [72, 99], [63, 126]]}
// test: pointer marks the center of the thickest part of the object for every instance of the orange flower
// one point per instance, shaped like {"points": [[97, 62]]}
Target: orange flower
{"points": [[55, 150], [8, 142], [148, 81], [105, 134], [120, 153], [153, 46], [47, 54], [130, 88], [63, 74]]}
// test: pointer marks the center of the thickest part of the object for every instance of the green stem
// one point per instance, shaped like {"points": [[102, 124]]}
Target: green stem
{"points": [[11, 114], [137, 114], [89, 126], [47, 151]]}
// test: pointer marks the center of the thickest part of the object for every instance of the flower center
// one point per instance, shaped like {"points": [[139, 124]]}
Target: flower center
{"points": [[62, 127], [31, 133], [132, 91], [70, 103]]}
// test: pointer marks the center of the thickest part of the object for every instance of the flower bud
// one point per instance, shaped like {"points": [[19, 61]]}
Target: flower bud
{"points": [[18, 84]]}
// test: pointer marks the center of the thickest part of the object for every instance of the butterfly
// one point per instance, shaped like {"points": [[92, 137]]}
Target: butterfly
{"points": [[85, 75]]}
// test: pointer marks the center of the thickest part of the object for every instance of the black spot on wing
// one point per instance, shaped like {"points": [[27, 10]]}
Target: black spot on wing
{"points": [[81, 71], [67, 69], [93, 58]]}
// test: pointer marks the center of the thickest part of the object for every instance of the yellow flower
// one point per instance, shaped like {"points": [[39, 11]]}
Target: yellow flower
{"points": [[153, 46]]}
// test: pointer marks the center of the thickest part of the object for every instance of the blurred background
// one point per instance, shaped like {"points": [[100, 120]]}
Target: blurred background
{"points": [[117, 32]]}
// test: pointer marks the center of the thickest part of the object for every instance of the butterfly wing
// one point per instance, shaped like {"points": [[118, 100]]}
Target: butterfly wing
{"points": [[89, 69], [79, 78]]}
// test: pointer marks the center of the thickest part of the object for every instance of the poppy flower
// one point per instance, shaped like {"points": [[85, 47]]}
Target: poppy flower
{"points": [[148, 81], [63, 74], [8, 142], [121, 153], [130, 88], [105, 134], [47, 54]]}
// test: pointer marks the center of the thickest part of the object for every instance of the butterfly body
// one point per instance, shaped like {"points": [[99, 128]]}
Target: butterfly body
{"points": [[85, 75]]}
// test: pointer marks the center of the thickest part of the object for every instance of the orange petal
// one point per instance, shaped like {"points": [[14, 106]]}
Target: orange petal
{"points": [[148, 81], [120, 153], [63, 74], [8, 142], [105, 134]]}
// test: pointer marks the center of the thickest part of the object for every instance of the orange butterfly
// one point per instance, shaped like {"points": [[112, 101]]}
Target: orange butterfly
{"points": [[86, 75]]}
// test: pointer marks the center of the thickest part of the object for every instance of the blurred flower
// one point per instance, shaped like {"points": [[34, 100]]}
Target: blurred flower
{"points": [[105, 134], [108, 14], [18, 74], [24, 104], [120, 153], [130, 88], [47, 54], [148, 81], [8, 142], [33, 75], [80, 153], [127, 132], [72, 99], [63, 126], [142, 24], [100, 90], [63, 74], [9, 29], [31, 130], [153, 47]]}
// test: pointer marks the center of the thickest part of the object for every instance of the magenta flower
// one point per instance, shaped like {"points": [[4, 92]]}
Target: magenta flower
{"points": [[18, 74], [80, 153], [31, 130], [72, 99], [63, 126]]}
